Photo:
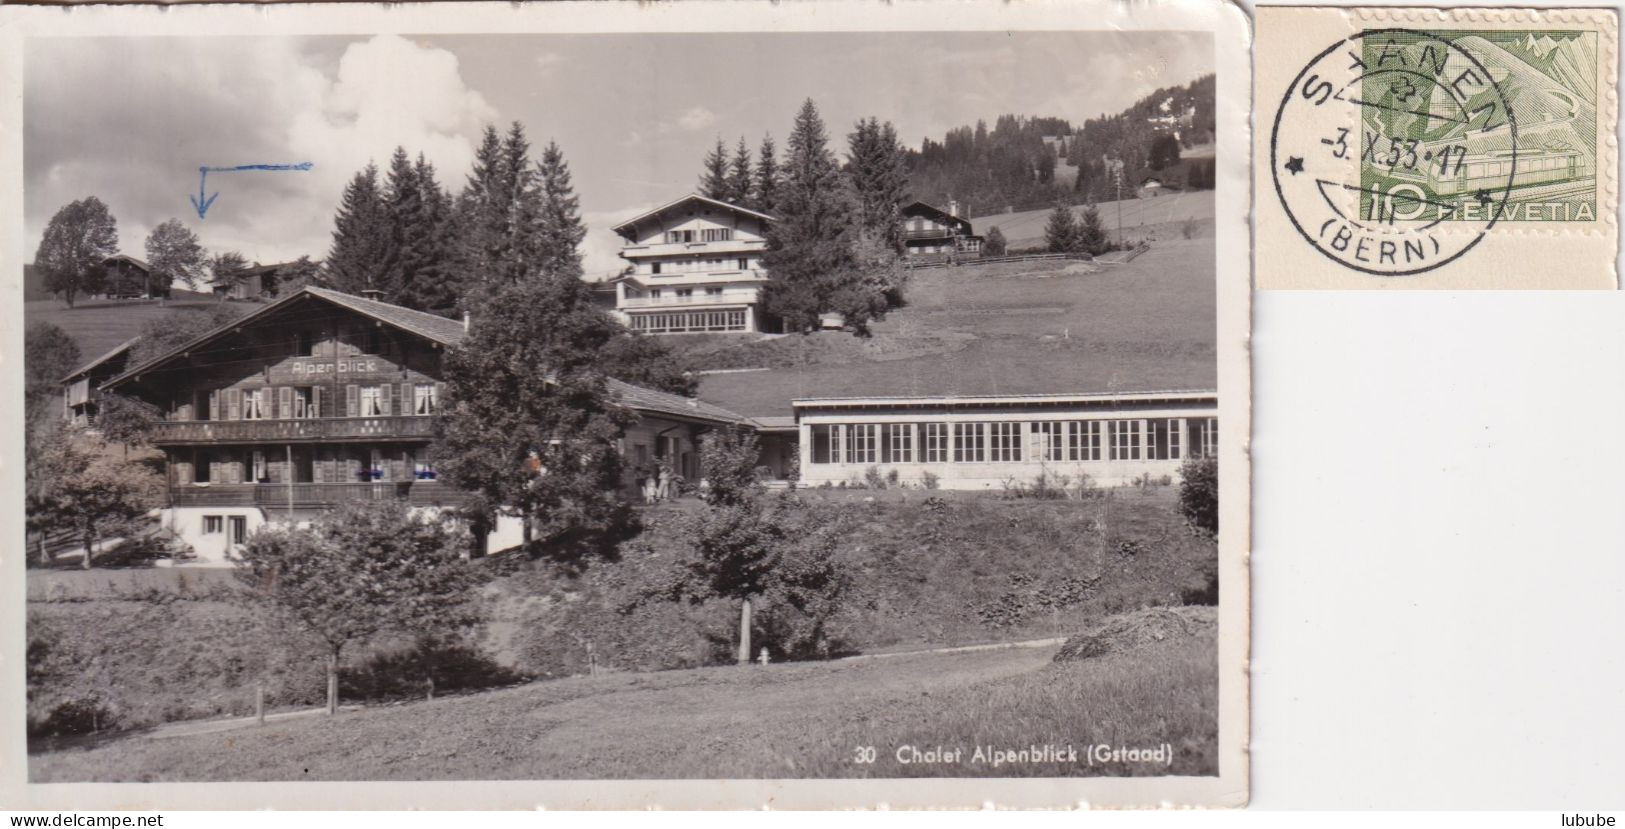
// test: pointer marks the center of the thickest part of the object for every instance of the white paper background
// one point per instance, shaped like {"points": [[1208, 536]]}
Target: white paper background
{"points": [[1439, 550]]}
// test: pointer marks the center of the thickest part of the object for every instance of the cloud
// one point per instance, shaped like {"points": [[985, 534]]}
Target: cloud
{"points": [[693, 119], [601, 249], [132, 120], [547, 62]]}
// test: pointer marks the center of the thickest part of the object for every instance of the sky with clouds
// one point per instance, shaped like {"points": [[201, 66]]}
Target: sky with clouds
{"points": [[131, 120]]}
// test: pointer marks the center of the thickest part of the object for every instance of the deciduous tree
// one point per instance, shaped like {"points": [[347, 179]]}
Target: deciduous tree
{"points": [[365, 568], [768, 553], [529, 422], [644, 360], [994, 243], [89, 493], [77, 239], [174, 253], [48, 354], [163, 334], [226, 268]]}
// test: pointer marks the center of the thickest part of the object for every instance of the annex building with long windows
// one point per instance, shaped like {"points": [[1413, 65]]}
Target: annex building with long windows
{"points": [[985, 442]]}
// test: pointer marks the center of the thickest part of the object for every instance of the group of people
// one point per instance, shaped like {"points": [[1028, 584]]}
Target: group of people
{"points": [[658, 485]]}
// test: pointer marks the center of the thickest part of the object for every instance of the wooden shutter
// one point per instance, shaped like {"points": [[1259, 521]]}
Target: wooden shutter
{"points": [[214, 405], [234, 404], [409, 404], [439, 395], [384, 392], [316, 402], [352, 401], [284, 398]]}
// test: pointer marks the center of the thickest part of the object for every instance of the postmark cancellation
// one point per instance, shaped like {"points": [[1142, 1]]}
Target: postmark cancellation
{"points": [[1408, 139]]}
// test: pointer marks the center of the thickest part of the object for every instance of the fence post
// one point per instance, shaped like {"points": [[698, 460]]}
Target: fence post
{"points": [[259, 702], [744, 632]]}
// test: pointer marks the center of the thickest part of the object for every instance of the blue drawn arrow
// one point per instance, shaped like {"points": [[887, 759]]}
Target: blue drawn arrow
{"points": [[202, 200]]}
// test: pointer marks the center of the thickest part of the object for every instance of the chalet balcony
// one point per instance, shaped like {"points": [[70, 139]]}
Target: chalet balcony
{"points": [[305, 430], [928, 233], [315, 496], [695, 301], [682, 248]]}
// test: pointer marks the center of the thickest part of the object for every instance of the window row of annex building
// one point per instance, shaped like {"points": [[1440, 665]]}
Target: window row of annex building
{"points": [[323, 397]]}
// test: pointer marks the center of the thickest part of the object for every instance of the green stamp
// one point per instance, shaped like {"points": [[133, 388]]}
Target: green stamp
{"points": [[1478, 126]]}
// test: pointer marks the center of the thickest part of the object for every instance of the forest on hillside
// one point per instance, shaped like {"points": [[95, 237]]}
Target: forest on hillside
{"points": [[1012, 166]]}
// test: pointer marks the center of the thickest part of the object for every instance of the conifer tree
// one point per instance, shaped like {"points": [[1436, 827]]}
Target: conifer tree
{"points": [[482, 211], [433, 283], [358, 258], [1090, 233], [1060, 234], [560, 228], [522, 244], [739, 176], [714, 178], [765, 187], [809, 252], [879, 180]]}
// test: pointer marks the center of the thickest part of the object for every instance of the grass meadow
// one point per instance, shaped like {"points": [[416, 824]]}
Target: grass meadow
{"points": [[786, 720], [1034, 328], [99, 325]]}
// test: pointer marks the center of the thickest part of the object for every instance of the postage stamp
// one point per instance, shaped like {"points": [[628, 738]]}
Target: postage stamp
{"points": [[586, 405], [1403, 145]]}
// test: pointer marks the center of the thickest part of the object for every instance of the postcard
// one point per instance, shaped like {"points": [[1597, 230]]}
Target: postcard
{"points": [[617, 405]]}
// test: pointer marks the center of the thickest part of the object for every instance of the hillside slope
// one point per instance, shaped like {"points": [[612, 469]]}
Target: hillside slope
{"points": [[99, 325], [1008, 329]]}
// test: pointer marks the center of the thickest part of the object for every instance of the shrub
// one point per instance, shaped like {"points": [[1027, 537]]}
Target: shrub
{"points": [[1188, 228], [929, 480], [432, 665], [728, 461], [1047, 486], [873, 479], [1199, 495]]}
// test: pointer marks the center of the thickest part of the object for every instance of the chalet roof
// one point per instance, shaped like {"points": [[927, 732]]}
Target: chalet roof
{"points": [[627, 225], [421, 323], [88, 367], [1006, 399], [920, 208], [446, 332], [775, 423], [659, 402], [124, 257]]}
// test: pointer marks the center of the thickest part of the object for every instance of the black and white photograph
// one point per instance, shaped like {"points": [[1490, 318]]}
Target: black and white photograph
{"points": [[622, 398]]}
